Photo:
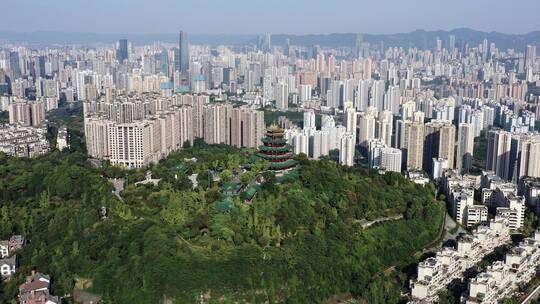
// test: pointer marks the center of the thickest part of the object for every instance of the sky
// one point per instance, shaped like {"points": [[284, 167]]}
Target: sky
{"points": [[268, 16]]}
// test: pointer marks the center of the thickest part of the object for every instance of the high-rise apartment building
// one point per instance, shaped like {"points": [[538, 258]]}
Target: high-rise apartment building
{"points": [[499, 144], [281, 95], [134, 131], [346, 151], [414, 145], [530, 56], [440, 139], [349, 120], [465, 147], [384, 127], [366, 128], [27, 112], [529, 157]]}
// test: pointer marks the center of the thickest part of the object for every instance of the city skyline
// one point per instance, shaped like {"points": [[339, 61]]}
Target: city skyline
{"points": [[212, 17]]}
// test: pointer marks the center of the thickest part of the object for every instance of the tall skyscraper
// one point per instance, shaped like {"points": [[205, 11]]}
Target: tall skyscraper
{"points": [[362, 95], [346, 151], [14, 65], [529, 162], [377, 94], [122, 52], [498, 153], [439, 143], [309, 120], [414, 145], [264, 42], [366, 128], [451, 43], [465, 146], [349, 119], [281, 95], [384, 127], [182, 63], [531, 55]]}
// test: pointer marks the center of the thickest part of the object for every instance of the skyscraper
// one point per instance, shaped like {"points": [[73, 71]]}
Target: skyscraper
{"points": [[384, 127], [309, 120], [377, 94], [346, 151], [349, 119], [281, 95], [122, 52], [414, 144], [498, 153], [439, 143], [362, 95], [531, 55], [451, 43], [530, 157], [366, 128], [182, 62], [14, 65], [465, 146]]}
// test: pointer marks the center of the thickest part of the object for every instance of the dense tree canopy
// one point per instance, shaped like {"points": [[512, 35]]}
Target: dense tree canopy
{"points": [[296, 242]]}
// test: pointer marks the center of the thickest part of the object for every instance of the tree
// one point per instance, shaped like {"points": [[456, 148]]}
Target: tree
{"points": [[175, 214], [226, 175], [204, 179]]}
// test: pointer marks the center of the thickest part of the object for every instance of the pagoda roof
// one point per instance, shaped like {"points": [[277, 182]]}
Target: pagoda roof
{"points": [[274, 156], [224, 205], [274, 128], [283, 165], [284, 148], [269, 140]]}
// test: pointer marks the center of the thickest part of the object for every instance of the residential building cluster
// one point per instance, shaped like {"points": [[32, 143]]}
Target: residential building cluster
{"points": [[496, 194], [315, 142], [137, 130], [449, 263], [501, 279], [8, 257], [429, 103], [23, 141]]}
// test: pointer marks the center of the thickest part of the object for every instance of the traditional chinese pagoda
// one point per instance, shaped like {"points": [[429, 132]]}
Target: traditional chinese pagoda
{"points": [[276, 150]]}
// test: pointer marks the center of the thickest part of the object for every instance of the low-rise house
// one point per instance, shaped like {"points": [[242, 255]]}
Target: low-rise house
{"points": [[36, 290], [8, 267], [16, 242], [4, 249]]}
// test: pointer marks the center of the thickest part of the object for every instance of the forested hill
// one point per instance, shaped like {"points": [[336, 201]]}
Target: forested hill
{"points": [[296, 242]]}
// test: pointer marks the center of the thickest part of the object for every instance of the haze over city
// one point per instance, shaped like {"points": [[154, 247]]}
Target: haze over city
{"points": [[259, 16]]}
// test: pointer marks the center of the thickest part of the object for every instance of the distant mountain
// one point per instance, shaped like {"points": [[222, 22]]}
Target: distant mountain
{"points": [[418, 38], [42, 38]]}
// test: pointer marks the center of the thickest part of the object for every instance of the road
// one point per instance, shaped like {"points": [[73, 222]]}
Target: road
{"points": [[533, 295], [380, 220], [118, 185]]}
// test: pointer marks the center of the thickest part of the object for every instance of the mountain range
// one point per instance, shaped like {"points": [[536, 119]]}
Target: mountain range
{"points": [[418, 38]]}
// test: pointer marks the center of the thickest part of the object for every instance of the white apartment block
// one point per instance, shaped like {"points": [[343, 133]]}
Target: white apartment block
{"points": [[437, 272], [502, 278]]}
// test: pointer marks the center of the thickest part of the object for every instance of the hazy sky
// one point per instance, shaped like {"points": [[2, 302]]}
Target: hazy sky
{"points": [[273, 16]]}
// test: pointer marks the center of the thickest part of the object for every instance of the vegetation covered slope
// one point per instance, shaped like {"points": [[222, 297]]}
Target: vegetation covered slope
{"points": [[297, 242]]}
